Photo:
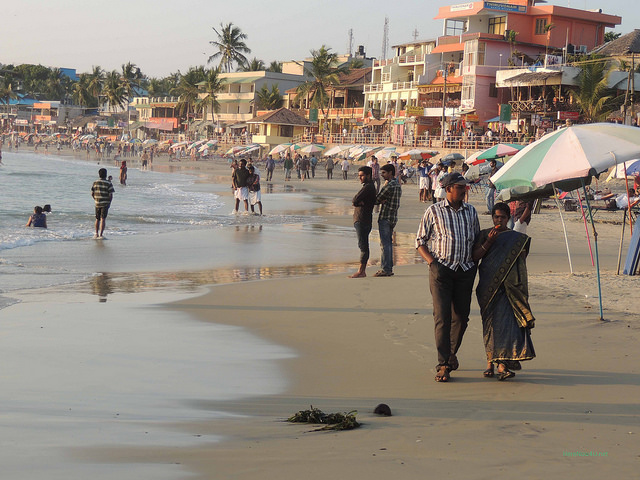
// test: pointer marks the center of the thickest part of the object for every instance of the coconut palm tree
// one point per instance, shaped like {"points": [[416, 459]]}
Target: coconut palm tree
{"points": [[131, 77], [275, 66], [188, 89], [593, 95], [113, 90], [254, 65], [7, 93], [325, 71], [211, 87], [81, 92], [269, 99], [96, 79], [231, 47]]}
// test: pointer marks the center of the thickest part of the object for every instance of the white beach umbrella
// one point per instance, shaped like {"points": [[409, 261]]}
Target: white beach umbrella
{"points": [[312, 148], [336, 149], [283, 147]]}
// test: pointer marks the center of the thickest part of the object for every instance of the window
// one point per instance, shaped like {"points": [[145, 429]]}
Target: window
{"points": [[497, 25], [455, 27], [493, 91], [468, 88], [474, 53], [541, 24]]}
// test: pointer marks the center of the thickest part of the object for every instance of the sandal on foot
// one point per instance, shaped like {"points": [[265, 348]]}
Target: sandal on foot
{"points": [[382, 273], [488, 373], [505, 374], [443, 374]]}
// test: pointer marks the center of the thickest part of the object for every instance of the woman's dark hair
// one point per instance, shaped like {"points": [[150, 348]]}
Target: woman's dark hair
{"points": [[502, 207], [38, 210]]}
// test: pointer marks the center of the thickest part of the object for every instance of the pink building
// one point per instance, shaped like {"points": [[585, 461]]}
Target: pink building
{"points": [[482, 37]]}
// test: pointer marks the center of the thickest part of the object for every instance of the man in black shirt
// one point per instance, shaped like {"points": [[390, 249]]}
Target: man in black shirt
{"points": [[363, 204], [241, 190]]}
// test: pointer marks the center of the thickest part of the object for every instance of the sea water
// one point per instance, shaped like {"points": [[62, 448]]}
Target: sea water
{"points": [[86, 364]]}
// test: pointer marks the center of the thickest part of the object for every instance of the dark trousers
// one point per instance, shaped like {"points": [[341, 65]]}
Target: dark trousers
{"points": [[362, 232], [451, 293]]}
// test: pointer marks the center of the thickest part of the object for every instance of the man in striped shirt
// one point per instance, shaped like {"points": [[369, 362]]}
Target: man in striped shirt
{"points": [[445, 241], [102, 192], [389, 199]]}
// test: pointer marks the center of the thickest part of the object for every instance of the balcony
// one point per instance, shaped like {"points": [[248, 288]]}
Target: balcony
{"points": [[411, 59], [404, 85], [374, 87]]}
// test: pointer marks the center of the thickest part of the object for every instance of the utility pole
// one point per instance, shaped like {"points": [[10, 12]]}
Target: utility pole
{"points": [[633, 87], [385, 39], [444, 102], [350, 41]]}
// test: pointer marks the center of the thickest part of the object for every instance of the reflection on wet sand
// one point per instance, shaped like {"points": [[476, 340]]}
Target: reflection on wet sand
{"points": [[106, 284]]}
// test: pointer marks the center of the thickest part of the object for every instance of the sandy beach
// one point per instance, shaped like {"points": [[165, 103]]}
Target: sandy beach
{"points": [[355, 343]]}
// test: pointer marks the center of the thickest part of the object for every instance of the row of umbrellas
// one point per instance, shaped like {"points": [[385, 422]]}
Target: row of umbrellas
{"points": [[354, 152]]}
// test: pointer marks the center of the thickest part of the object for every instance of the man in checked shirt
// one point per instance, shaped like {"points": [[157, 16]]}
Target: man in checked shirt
{"points": [[445, 241]]}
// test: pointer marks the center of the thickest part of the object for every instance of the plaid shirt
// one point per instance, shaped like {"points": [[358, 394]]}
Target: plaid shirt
{"points": [[449, 234], [389, 198]]}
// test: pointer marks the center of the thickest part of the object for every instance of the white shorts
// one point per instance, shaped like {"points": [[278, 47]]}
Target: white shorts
{"points": [[255, 197], [520, 226], [242, 193], [424, 183]]}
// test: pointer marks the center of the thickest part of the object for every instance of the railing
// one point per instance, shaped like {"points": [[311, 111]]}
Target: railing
{"points": [[411, 59], [375, 87], [404, 85]]}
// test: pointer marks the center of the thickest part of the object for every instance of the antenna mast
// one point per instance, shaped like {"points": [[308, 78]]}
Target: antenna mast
{"points": [[385, 38], [415, 34], [350, 49]]}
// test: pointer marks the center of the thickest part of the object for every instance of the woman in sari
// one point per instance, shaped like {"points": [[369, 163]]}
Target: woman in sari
{"points": [[503, 295]]}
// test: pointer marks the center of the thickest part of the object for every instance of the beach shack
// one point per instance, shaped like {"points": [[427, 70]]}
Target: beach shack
{"points": [[277, 126]]}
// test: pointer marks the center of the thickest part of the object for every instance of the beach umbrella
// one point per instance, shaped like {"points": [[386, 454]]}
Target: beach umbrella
{"points": [[578, 151], [386, 152], [312, 148], [295, 146], [336, 149], [367, 152], [623, 170], [417, 154], [236, 149], [135, 140], [251, 148], [451, 157], [283, 147], [479, 169], [500, 150], [150, 141], [472, 160]]}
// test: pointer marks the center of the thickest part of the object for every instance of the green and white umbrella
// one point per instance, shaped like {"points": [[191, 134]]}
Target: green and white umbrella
{"points": [[572, 152], [578, 151]]}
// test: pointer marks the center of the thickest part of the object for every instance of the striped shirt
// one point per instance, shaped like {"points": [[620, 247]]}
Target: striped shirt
{"points": [[449, 234], [102, 191], [389, 198]]}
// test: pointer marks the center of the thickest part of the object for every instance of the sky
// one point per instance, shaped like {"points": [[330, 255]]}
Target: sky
{"points": [[162, 36]]}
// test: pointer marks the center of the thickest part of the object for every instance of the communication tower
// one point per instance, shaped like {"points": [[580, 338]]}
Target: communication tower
{"points": [[385, 38]]}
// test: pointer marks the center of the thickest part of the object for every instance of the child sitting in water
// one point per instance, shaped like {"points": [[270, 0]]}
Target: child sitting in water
{"points": [[38, 219]]}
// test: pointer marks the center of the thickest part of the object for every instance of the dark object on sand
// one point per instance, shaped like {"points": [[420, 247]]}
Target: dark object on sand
{"points": [[332, 421], [383, 409]]}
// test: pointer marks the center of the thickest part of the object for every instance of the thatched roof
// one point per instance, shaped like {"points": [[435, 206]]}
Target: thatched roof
{"points": [[532, 78], [281, 116], [623, 46]]}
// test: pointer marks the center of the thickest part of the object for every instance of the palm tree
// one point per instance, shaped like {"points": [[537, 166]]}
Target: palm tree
{"points": [[325, 72], [356, 63], [96, 79], [269, 99], [275, 66], [213, 85], [81, 92], [131, 76], [254, 65], [231, 47], [114, 91], [7, 93], [187, 90], [593, 95]]}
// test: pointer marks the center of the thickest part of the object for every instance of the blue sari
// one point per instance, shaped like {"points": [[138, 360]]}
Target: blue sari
{"points": [[503, 297]]}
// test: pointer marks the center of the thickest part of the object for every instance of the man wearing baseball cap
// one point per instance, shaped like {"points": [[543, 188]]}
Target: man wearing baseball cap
{"points": [[445, 241]]}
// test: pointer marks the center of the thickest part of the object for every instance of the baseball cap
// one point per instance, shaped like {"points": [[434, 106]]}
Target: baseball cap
{"points": [[453, 179]]}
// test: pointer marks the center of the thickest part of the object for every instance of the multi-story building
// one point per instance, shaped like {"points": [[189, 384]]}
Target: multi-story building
{"points": [[481, 37]]}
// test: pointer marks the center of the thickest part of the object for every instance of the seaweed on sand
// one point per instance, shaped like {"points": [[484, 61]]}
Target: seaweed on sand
{"points": [[332, 421]]}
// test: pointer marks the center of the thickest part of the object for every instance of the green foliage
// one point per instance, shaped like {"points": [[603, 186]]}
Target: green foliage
{"points": [[325, 72], [213, 85], [275, 66], [187, 89], [231, 47], [254, 65], [592, 95], [332, 421], [269, 99], [609, 36]]}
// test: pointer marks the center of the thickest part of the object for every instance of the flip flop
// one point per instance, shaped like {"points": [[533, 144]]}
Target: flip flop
{"points": [[488, 373], [382, 273], [442, 375], [505, 374]]}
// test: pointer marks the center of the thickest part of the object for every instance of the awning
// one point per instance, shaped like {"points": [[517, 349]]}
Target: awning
{"points": [[234, 100], [449, 47], [377, 123], [237, 126], [531, 78]]}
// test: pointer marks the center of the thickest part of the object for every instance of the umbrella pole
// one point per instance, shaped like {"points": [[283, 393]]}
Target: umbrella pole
{"points": [[624, 222], [595, 241], [586, 228], [564, 228], [626, 183]]}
